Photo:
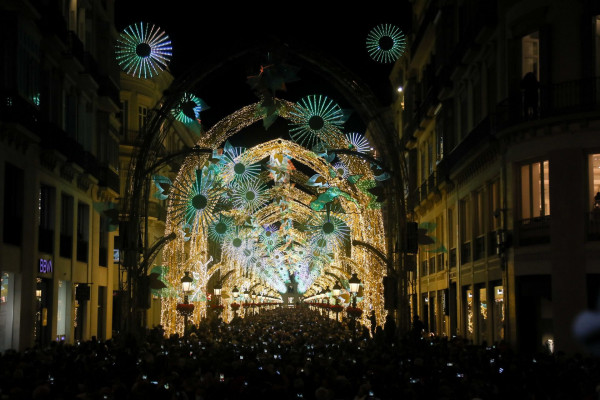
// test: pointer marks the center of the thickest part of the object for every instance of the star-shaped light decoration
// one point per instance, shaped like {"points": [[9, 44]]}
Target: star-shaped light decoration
{"points": [[386, 43], [143, 50], [316, 118]]}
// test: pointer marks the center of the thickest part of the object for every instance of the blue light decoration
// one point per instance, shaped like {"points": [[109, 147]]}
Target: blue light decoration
{"points": [[188, 109], [315, 118], [386, 43], [143, 50]]}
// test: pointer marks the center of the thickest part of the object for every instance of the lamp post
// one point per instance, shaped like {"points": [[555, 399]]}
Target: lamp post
{"points": [[327, 292], [354, 286], [336, 292], [217, 292], [235, 292], [186, 310]]}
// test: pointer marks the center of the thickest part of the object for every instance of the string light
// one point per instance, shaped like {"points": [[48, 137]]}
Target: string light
{"points": [[311, 245]]}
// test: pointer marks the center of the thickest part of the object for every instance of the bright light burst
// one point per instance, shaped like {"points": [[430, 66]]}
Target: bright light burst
{"points": [[318, 118], [188, 109], [143, 50], [386, 43]]}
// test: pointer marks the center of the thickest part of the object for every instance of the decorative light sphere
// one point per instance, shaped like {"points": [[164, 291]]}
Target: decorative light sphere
{"points": [[386, 43], [143, 50]]}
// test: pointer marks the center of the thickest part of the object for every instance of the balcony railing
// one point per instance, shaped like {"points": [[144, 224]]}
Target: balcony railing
{"points": [[534, 231], [555, 99], [593, 225]]}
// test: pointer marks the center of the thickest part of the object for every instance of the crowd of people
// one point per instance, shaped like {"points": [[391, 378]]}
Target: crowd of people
{"points": [[291, 353]]}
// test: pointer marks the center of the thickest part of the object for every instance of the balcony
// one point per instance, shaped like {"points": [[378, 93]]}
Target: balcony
{"points": [[593, 225], [533, 231], [555, 100], [108, 178]]}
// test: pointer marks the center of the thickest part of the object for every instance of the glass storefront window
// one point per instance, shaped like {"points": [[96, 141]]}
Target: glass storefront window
{"points": [[469, 310], [64, 310], [498, 313], [6, 310], [483, 314]]}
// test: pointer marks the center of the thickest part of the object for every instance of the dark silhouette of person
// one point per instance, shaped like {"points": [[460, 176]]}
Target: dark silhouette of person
{"points": [[530, 87], [373, 321], [417, 328], [389, 328]]}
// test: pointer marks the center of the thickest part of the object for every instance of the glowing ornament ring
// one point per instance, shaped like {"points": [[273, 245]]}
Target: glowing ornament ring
{"points": [[188, 109], [143, 51], [386, 43], [318, 117]]}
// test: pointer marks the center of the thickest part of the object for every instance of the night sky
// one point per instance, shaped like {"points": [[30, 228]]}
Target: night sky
{"points": [[204, 35]]}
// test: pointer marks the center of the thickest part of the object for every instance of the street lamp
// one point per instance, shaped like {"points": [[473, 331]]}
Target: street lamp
{"points": [[354, 286], [336, 292], [186, 309]]}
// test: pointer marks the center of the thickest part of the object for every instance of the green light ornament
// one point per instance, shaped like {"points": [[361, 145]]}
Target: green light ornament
{"points": [[220, 228], [143, 50], [316, 118], [386, 43], [188, 109]]}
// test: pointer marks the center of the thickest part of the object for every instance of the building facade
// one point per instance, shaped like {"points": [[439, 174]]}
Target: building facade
{"points": [[58, 170], [504, 168]]}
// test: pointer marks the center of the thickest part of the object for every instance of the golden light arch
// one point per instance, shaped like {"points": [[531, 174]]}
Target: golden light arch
{"points": [[192, 251]]}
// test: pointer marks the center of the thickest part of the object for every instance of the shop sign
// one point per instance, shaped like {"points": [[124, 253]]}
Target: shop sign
{"points": [[45, 266]]}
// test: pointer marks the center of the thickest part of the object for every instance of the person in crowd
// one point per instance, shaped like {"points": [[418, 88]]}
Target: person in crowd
{"points": [[289, 354]]}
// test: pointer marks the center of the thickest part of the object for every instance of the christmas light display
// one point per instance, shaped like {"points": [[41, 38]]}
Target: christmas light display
{"points": [[386, 43], [143, 50], [297, 229]]}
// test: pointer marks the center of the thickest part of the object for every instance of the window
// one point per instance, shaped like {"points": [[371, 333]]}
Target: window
{"points": [[597, 44], [593, 180], [28, 70], [124, 117], [498, 313], [142, 113], [46, 219], [535, 190], [439, 141], [495, 213], [465, 230], [83, 223], [451, 238], [478, 228], [66, 226], [13, 204], [103, 245], [530, 55], [464, 115]]}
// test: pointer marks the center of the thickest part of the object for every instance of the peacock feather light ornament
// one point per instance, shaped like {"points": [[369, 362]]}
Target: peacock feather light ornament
{"points": [[143, 50], [234, 167], [316, 118], [329, 232], [386, 43], [188, 109]]}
